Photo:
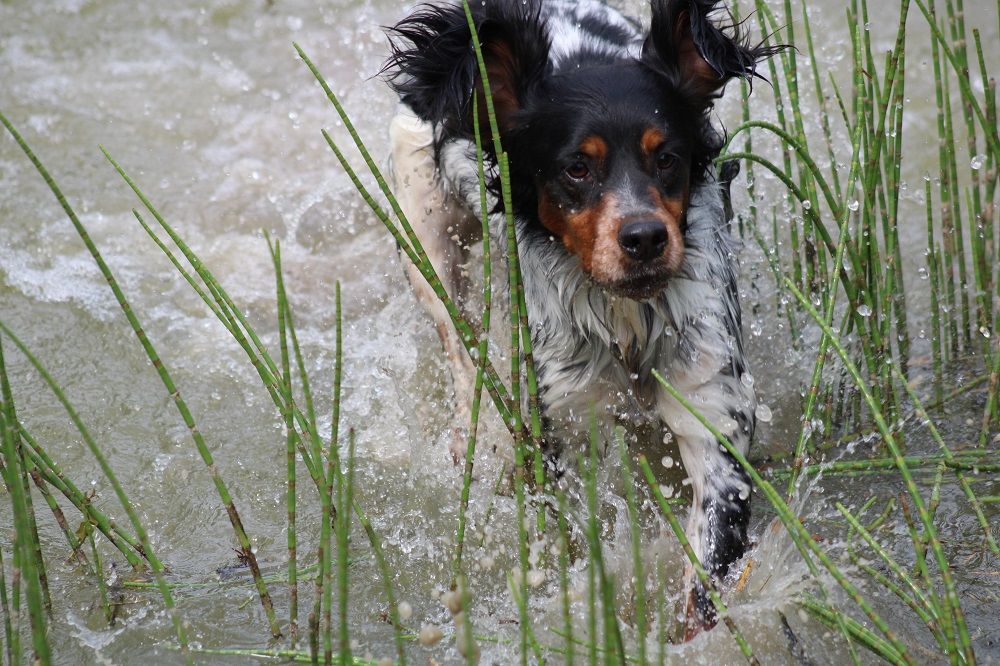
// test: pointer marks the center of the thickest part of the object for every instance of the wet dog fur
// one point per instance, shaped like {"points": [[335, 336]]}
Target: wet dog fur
{"points": [[625, 250]]}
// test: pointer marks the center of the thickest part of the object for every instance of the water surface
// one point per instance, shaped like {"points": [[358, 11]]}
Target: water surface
{"points": [[210, 110]]}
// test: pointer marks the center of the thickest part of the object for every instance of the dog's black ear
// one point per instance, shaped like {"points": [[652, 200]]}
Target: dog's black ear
{"points": [[433, 65], [696, 53]]}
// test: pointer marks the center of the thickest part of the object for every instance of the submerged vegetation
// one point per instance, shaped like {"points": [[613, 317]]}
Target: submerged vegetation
{"points": [[837, 268]]}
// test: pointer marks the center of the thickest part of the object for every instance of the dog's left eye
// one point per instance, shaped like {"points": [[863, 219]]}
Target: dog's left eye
{"points": [[578, 170], [666, 161]]}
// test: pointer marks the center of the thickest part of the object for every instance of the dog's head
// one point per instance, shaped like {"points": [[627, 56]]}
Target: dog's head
{"points": [[603, 150]]}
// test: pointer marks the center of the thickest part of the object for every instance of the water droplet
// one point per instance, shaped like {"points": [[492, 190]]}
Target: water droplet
{"points": [[536, 577], [667, 462], [806, 205], [405, 610], [985, 331], [923, 273], [854, 204], [744, 492], [864, 310], [430, 634], [763, 413], [667, 491], [977, 162], [746, 379]]}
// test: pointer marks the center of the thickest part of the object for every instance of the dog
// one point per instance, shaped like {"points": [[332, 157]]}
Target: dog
{"points": [[626, 255]]}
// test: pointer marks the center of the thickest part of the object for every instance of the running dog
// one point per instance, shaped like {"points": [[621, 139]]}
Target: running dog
{"points": [[621, 218]]}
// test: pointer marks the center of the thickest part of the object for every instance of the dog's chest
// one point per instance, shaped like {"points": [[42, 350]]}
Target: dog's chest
{"points": [[603, 351]]}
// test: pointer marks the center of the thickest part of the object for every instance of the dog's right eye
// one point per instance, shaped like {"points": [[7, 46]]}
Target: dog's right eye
{"points": [[578, 170]]}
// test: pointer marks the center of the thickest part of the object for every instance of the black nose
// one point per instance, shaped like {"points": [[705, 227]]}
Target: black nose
{"points": [[643, 240]]}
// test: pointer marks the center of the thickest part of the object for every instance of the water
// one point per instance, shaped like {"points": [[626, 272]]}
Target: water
{"points": [[210, 110]]}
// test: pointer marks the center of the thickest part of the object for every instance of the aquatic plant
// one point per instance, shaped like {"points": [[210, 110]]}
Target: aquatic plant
{"points": [[836, 264]]}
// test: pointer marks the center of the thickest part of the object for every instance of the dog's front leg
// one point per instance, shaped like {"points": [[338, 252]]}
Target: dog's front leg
{"points": [[439, 222], [708, 373]]}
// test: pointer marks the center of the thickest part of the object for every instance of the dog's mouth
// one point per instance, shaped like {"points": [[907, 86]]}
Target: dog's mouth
{"points": [[641, 282]]}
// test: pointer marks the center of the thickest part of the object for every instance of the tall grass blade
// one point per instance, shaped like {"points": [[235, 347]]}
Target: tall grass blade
{"points": [[25, 544]]}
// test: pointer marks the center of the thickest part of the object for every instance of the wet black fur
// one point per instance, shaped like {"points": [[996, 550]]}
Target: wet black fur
{"points": [[434, 70]]}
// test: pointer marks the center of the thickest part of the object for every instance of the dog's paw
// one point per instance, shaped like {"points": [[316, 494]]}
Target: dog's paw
{"points": [[699, 615]]}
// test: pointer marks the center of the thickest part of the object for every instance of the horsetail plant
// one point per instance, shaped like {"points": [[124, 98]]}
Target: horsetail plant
{"points": [[25, 568], [844, 232], [140, 531]]}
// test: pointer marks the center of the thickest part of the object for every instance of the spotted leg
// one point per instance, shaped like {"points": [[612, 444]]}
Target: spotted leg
{"points": [[708, 370]]}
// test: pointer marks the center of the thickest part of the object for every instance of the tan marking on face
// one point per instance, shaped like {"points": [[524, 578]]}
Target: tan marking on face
{"points": [[590, 233], [671, 212], [651, 139], [608, 260], [595, 148]]}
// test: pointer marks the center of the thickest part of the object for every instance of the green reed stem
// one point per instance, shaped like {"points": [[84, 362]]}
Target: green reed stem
{"points": [[233, 319], [493, 382], [988, 213], [831, 616], [410, 245], [992, 410], [24, 468], [951, 164], [265, 367], [951, 595], [928, 608], [182, 408], [850, 288], [893, 299], [177, 266], [564, 545], [76, 548], [102, 586], [928, 617], [282, 656], [636, 541], [483, 351], [769, 26], [703, 576], [933, 271], [516, 300], [945, 191], [91, 444], [147, 552], [748, 142], [605, 586], [802, 151], [127, 545], [800, 536], [25, 544], [13, 639], [949, 457], [774, 263], [324, 589], [843, 213], [814, 273], [291, 437], [517, 592], [345, 492], [821, 100]]}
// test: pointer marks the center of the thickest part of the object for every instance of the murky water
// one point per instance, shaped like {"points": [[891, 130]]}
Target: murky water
{"points": [[209, 108]]}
